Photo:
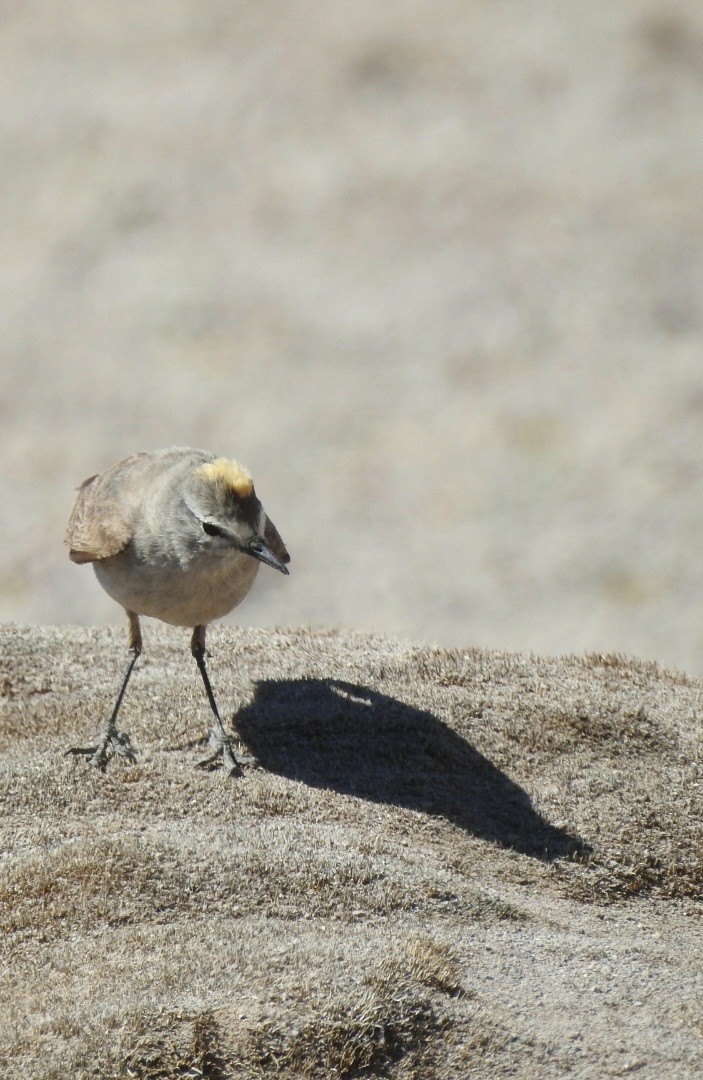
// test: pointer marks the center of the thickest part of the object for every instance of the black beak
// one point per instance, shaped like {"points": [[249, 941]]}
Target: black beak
{"points": [[261, 551]]}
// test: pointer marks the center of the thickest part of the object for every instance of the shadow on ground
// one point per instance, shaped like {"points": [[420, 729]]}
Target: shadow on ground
{"points": [[332, 734]]}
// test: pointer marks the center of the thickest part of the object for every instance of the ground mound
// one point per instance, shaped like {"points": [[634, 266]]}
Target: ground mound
{"points": [[441, 863]]}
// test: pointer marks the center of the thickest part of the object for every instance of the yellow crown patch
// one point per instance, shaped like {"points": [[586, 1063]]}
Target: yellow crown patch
{"points": [[229, 475]]}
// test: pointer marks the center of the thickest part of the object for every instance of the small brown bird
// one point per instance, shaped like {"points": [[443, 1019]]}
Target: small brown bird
{"points": [[178, 535]]}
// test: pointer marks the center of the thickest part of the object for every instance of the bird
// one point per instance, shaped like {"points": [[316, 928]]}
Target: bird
{"points": [[178, 535]]}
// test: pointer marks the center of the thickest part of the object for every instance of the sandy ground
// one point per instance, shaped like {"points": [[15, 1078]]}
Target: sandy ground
{"points": [[442, 864], [432, 271]]}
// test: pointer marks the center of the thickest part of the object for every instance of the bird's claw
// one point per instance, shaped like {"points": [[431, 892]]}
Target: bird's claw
{"points": [[98, 755], [222, 757]]}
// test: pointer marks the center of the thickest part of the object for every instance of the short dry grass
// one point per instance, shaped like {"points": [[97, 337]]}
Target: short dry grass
{"points": [[440, 863]]}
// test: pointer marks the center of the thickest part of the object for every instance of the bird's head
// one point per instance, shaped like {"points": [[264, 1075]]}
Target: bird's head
{"points": [[228, 514]]}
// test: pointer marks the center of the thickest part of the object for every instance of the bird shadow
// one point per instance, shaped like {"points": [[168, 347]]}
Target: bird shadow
{"points": [[354, 740]]}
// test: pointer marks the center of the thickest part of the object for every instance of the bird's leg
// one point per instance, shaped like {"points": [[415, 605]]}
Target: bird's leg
{"points": [[118, 740], [223, 754]]}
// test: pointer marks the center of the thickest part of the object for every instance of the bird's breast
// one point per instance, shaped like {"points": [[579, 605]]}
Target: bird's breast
{"points": [[189, 592]]}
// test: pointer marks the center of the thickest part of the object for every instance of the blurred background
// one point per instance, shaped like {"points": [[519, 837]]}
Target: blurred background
{"points": [[433, 271]]}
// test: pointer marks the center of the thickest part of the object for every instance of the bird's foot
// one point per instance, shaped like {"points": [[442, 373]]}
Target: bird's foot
{"points": [[222, 756], [98, 756]]}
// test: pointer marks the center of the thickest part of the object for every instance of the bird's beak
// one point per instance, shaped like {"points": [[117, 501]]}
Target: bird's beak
{"points": [[261, 551]]}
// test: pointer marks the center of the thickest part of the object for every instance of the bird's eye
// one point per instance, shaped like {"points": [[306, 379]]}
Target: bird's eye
{"points": [[212, 530]]}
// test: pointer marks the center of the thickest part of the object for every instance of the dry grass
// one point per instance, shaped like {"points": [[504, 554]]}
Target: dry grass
{"points": [[368, 1032], [443, 864]]}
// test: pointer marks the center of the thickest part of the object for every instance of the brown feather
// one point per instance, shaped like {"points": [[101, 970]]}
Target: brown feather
{"points": [[96, 529]]}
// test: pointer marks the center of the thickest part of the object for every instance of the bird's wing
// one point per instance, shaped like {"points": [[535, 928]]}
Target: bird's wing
{"points": [[99, 525], [273, 539]]}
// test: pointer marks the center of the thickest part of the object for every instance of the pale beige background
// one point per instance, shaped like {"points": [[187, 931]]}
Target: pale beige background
{"points": [[433, 271]]}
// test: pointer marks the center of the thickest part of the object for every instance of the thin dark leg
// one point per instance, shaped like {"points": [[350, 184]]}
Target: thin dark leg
{"points": [[218, 739], [119, 740]]}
